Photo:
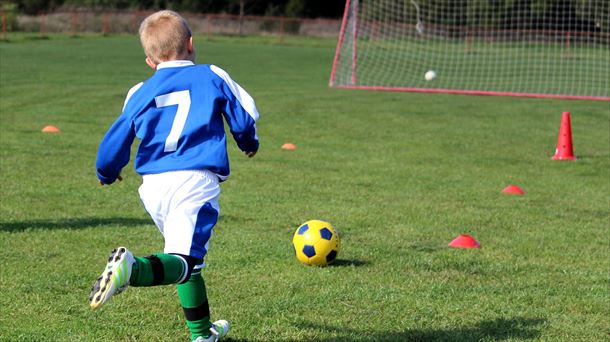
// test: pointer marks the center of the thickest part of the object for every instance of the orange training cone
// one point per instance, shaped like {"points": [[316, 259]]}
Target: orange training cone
{"points": [[564, 149], [289, 147], [464, 241], [50, 129], [513, 189]]}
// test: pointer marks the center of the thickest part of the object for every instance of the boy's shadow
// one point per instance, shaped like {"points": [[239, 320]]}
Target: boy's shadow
{"points": [[75, 223], [518, 328]]}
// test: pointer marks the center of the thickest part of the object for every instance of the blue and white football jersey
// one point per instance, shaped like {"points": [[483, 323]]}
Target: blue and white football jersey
{"points": [[177, 114]]}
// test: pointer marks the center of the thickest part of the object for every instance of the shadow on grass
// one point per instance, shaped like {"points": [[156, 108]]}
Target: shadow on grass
{"points": [[426, 248], [348, 263], [518, 328], [76, 223]]}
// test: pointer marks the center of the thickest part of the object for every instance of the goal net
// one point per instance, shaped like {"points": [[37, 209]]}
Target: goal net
{"points": [[533, 48]]}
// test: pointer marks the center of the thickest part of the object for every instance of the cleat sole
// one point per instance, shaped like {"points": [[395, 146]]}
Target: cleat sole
{"points": [[100, 289]]}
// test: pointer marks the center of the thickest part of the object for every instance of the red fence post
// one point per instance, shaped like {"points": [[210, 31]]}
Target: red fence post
{"points": [[43, 19], [134, 21], [105, 23], [73, 20], [282, 23], [4, 24]]}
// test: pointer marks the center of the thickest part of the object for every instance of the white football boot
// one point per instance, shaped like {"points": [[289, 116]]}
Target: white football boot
{"points": [[219, 330], [114, 279]]}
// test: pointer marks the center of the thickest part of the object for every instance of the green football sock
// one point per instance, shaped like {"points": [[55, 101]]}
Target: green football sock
{"points": [[194, 302], [158, 269]]}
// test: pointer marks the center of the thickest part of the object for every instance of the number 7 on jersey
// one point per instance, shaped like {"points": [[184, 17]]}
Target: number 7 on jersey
{"points": [[183, 100]]}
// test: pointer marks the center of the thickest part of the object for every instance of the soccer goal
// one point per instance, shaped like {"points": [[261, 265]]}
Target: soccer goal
{"points": [[531, 48]]}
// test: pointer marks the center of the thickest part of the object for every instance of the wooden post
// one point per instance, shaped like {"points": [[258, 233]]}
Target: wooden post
{"points": [[73, 20], [4, 25], [105, 23], [282, 23], [241, 16], [43, 19], [134, 21]]}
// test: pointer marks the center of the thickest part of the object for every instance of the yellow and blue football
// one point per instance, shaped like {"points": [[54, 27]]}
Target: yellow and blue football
{"points": [[316, 243]]}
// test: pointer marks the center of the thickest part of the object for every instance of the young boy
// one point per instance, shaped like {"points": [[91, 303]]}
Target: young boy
{"points": [[177, 114]]}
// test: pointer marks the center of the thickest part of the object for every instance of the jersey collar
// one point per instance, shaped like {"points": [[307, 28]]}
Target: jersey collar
{"points": [[174, 64]]}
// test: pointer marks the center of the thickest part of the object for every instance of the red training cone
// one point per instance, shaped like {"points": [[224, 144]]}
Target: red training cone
{"points": [[564, 149], [50, 129], [514, 190], [464, 241], [289, 147]]}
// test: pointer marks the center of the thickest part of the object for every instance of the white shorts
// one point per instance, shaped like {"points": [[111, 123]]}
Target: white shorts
{"points": [[184, 206]]}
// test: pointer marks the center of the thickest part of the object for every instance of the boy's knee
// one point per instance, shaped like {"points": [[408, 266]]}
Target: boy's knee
{"points": [[191, 262]]}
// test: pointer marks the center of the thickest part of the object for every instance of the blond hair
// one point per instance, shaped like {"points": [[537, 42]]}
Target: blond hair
{"points": [[164, 36]]}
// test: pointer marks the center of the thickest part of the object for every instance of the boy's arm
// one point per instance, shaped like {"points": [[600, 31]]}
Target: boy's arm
{"points": [[113, 153], [240, 112]]}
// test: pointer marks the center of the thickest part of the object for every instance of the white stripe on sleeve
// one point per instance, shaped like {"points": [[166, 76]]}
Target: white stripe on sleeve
{"points": [[242, 96], [130, 92]]}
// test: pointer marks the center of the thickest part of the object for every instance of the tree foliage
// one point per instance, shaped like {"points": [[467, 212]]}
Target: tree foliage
{"points": [[301, 8], [518, 14]]}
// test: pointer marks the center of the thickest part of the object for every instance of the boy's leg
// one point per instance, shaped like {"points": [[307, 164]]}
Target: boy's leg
{"points": [[124, 269], [194, 302], [184, 206], [192, 293], [160, 269], [186, 220]]}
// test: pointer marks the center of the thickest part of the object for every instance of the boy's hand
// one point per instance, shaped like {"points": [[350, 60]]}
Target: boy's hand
{"points": [[250, 154], [118, 177]]}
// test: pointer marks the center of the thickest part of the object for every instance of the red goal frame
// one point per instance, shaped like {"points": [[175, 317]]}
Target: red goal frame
{"points": [[354, 78]]}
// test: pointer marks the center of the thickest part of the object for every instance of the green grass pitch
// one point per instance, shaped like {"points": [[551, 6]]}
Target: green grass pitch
{"points": [[399, 175]]}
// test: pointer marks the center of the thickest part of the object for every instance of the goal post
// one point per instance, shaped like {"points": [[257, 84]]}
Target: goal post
{"points": [[529, 48]]}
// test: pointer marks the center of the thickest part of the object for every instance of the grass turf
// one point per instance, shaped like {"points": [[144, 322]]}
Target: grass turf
{"points": [[399, 175]]}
